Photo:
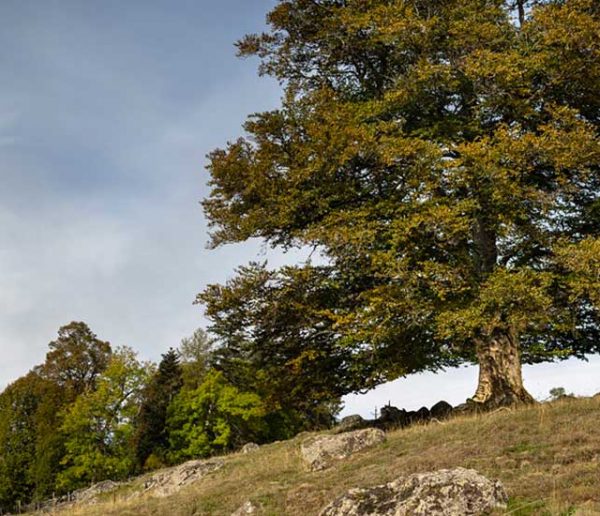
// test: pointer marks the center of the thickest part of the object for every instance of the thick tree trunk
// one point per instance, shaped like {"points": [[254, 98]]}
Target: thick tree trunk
{"points": [[500, 378]]}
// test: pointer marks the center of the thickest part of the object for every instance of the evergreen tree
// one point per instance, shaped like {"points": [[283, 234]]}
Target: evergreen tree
{"points": [[443, 158], [18, 405], [151, 437]]}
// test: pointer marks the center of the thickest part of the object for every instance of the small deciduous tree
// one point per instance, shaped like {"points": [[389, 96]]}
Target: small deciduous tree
{"points": [[32, 408], [98, 427], [196, 354], [213, 418]]}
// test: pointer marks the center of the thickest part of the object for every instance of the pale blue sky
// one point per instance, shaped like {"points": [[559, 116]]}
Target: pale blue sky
{"points": [[107, 109]]}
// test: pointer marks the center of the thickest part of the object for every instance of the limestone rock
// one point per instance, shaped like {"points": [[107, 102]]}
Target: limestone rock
{"points": [[322, 451], [247, 508], [350, 423], [166, 482], [447, 492], [249, 447], [90, 494]]}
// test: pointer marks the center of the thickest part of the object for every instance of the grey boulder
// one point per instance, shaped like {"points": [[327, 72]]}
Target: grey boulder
{"points": [[166, 482], [321, 452], [447, 492], [249, 448]]}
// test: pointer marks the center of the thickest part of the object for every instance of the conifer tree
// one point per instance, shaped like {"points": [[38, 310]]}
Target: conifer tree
{"points": [[18, 405], [150, 434], [443, 157]]}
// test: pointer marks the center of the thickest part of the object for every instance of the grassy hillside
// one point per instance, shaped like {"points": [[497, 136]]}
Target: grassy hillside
{"points": [[548, 458]]}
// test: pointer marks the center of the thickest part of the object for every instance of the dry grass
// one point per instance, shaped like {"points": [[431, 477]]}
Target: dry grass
{"points": [[548, 458]]}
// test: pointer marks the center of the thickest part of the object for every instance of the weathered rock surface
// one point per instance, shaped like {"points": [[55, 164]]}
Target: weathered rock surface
{"points": [[249, 448], [350, 423], [166, 482], [89, 495], [320, 452], [447, 492], [247, 508]]}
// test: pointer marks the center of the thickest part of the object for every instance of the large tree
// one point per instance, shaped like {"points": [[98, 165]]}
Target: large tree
{"points": [[443, 158], [76, 359]]}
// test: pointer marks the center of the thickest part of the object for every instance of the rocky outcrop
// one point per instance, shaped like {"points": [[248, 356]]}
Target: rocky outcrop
{"points": [[321, 452], [159, 483], [249, 448], [166, 482], [90, 494], [447, 492]]}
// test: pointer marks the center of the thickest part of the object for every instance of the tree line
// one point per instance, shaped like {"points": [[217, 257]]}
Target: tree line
{"points": [[91, 413]]}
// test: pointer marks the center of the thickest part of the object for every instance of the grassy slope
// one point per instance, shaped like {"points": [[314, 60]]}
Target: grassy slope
{"points": [[548, 458]]}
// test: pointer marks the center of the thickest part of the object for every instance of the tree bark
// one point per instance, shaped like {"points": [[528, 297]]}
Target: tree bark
{"points": [[521, 9], [500, 377]]}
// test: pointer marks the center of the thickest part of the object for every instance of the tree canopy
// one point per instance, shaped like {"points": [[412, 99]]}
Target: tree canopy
{"points": [[98, 426], [32, 441], [76, 358], [90, 413], [443, 159]]}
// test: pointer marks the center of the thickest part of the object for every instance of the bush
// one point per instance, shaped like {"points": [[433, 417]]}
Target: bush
{"points": [[213, 418]]}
